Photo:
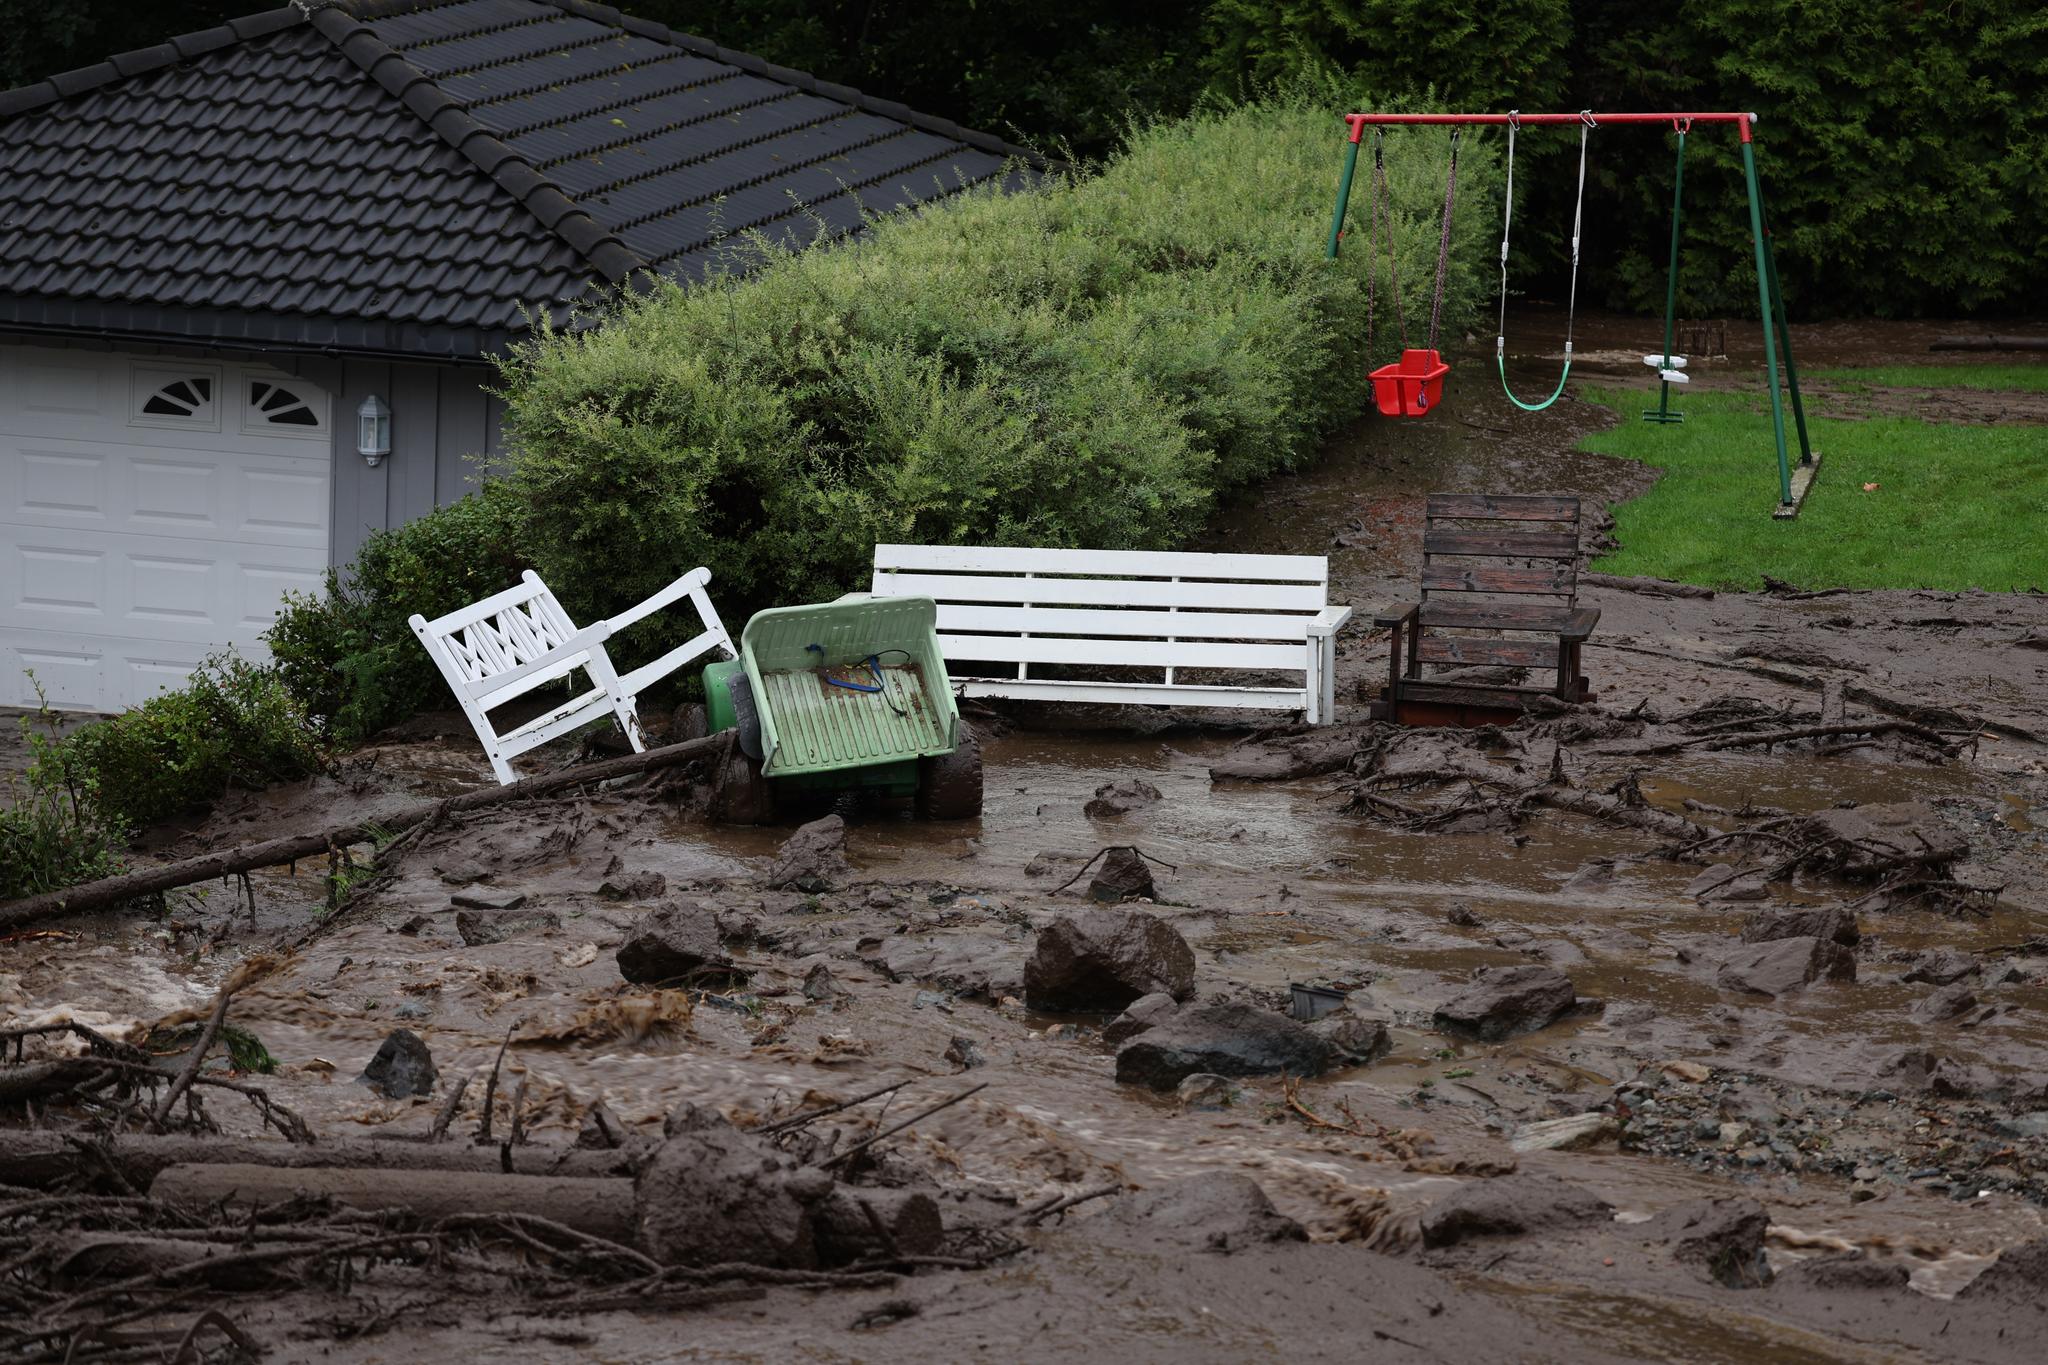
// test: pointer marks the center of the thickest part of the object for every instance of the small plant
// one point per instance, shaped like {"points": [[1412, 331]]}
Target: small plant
{"points": [[55, 831]]}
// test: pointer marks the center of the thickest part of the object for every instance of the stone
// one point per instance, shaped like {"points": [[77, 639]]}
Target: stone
{"points": [[1568, 1134], [1722, 1238], [1226, 1039], [1725, 882], [480, 900], [2019, 1275], [820, 986], [1594, 878], [1691, 1072], [634, 886], [1205, 1092], [402, 1068], [1832, 922], [1121, 797], [1501, 1002], [1941, 967], [481, 927], [1847, 1272], [2034, 1125], [1511, 1206], [1787, 965], [673, 942], [1105, 960], [1122, 875], [1938, 1075], [813, 858], [1950, 1002], [1138, 1016], [1464, 917], [710, 1194], [1881, 837], [965, 1053], [1217, 1211], [974, 966], [1353, 1038]]}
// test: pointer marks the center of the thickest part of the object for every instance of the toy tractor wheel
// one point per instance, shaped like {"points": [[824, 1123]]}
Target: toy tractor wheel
{"points": [[740, 792], [949, 787]]}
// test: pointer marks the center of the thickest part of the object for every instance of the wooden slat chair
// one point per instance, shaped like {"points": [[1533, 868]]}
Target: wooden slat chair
{"points": [[503, 647], [1504, 565]]}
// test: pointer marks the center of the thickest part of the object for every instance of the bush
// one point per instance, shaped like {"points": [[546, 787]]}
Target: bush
{"points": [[236, 724], [54, 831], [348, 656], [1088, 362]]}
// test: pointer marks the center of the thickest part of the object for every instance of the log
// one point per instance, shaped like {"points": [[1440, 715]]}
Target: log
{"points": [[150, 881], [1991, 342], [42, 1159], [1652, 587], [602, 1208], [858, 1225]]}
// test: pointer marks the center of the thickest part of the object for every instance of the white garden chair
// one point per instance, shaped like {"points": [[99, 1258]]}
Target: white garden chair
{"points": [[503, 647]]}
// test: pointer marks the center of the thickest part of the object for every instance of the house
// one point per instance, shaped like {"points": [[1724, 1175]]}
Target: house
{"points": [[251, 281]]}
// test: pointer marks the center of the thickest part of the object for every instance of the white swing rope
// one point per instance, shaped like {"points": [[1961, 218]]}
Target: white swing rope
{"points": [[1500, 340]]}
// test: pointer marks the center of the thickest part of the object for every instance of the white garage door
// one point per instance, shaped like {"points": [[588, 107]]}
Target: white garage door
{"points": [[152, 511]]}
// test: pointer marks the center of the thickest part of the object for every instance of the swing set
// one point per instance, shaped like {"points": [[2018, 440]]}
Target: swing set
{"points": [[1413, 385]]}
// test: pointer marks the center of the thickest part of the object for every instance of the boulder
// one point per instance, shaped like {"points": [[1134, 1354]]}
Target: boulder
{"points": [[1722, 1238], [1224, 1039], [1845, 1272], [1950, 1002], [1501, 1002], [1122, 875], [1353, 1038], [633, 886], [480, 927], [971, 965], [672, 942], [710, 1194], [1938, 1075], [1216, 1211], [1942, 967], [1106, 959], [1204, 1093], [1140, 1015], [402, 1068], [1510, 1206], [813, 858], [2019, 1276], [1832, 922], [1121, 797], [1786, 965]]}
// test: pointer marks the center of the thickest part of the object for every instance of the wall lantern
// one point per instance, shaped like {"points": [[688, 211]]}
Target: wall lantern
{"points": [[373, 430]]}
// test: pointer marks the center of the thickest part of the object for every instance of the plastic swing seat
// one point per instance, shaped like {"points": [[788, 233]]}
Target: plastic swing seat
{"points": [[1669, 368], [1411, 386]]}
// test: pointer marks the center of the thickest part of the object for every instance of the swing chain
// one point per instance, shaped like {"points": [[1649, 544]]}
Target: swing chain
{"points": [[1443, 246], [1681, 126]]}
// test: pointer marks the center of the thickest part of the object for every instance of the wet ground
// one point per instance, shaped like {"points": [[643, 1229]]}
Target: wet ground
{"points": [[1796, 1102]]}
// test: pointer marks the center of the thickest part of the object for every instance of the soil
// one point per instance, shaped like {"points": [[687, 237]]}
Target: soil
{"points": [[1811, 1176]]}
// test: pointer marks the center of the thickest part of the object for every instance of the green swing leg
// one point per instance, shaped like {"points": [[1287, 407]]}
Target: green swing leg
{"points": [[1763, 286], [1663, 415], [1807, 454], [1343, 197]]}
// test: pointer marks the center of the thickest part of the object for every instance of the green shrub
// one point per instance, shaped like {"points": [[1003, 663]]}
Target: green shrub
{"points": [[348, 656], [235, 724], [1089, 362], [54, 830]]}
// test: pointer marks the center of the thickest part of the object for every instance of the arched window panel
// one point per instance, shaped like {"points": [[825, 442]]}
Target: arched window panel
{"points": [[176, 396]]}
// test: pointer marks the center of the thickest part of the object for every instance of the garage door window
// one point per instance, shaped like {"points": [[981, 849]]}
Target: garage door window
{"points": [[181, 397], [277, 408]]}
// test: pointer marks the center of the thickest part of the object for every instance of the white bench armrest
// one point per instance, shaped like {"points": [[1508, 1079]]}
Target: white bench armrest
{"points": [[1329, 620]]}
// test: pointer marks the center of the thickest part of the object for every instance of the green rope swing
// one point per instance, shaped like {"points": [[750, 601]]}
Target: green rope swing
{"points": [[1500, 340]]}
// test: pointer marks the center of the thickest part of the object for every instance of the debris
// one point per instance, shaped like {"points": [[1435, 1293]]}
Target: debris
{"points": [[858, 1224], [1204, 1093], [403, 1067], [478, 928], [1942, 967], [1226, 1039], [710, 1194], [1778, 967], [1215, 1211], [1568, 1134], [1722, 1238], [813, 858], [473, 900], [2020, 1274], [1832, 923], [636, 886], [1723, 882], [1121, 797], [1105, 959], [965, 1053], [600, 1207], [1501, 1002], [821, 987], [1511, 1206], [1949, 1003], [674, 942]]}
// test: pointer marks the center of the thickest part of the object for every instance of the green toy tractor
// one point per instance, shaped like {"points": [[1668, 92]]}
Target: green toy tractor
{"points": [[838, 697]]}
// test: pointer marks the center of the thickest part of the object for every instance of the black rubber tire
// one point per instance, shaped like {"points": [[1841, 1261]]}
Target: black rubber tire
{"points": [[949, 787], [692, 721], [740, 794]]}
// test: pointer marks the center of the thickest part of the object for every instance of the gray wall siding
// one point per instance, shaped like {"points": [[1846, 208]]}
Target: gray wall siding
{"points": [[440, 418]]}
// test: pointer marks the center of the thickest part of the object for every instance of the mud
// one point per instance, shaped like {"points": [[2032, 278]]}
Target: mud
{"points": [[1891, 1158]]}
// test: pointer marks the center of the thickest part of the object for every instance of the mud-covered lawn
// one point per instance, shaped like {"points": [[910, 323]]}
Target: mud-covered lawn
{"points": [[1824, 1173]]}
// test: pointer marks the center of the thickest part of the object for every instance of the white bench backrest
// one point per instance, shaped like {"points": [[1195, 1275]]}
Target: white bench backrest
{"points": [[481, 644], [1136, 608]]}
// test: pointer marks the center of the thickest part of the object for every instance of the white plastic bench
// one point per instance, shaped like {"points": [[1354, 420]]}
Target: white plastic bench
{"points": [[1169, 613], [506, 645]]}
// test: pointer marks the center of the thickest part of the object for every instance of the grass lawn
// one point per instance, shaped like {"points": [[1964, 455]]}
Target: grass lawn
{"points": [[1954, 507], [2022, 377]]}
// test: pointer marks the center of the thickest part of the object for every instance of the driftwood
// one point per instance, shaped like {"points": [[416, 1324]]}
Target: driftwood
{"points": [[599, 1208], [39, 1160], [1650, 587], [1766, 738], [150, 881], [1991, 342]]}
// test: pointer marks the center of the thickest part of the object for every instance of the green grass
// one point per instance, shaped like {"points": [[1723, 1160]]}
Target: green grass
{"points": [[1955, 507], [2023, 377]]}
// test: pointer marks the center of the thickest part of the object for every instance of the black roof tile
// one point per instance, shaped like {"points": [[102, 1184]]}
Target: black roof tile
{"points": [[420, 177]]}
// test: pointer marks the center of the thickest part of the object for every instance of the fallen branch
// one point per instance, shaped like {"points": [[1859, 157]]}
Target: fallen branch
{"points": [[1767, 738], [1057, 1204], [150, 881], [1649, 587], [925, 1113], [783, 1125]]}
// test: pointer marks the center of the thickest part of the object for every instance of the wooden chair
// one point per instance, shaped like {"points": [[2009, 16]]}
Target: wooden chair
{"points": [[1506, 566], [497, 650]]}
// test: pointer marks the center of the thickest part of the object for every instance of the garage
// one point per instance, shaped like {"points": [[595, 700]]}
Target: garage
{"points": [[153, 510]]}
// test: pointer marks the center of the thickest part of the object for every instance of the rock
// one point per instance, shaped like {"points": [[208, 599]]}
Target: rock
{"points": [[479, 900], [1848, 1272], [2019, 1276], [1463, 916], [1511, 1206], [1722, 1238], [1501, 1002], [674, 941], [1568, 1134], [1941, 967], [403, 1067], [1878, 838], [1353, 1038], [1122, 875], [1215, 1211], [1691, 1072], [1106, 959], [1121, 797], [636, 886], [821, 986], [1938, 1075], [480, 927], [1226, 1039], [2034, 1125], [1832, 923], [710, 1194], [813, 858], [1140, 1015], [965, 1053], [1950, 1002], [971, 965], [1782, 966], [1592, 879], [1725, 882], [1205, 1092]]}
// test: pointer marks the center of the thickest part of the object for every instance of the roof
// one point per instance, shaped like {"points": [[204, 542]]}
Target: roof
{"points": [[423, 177]]}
